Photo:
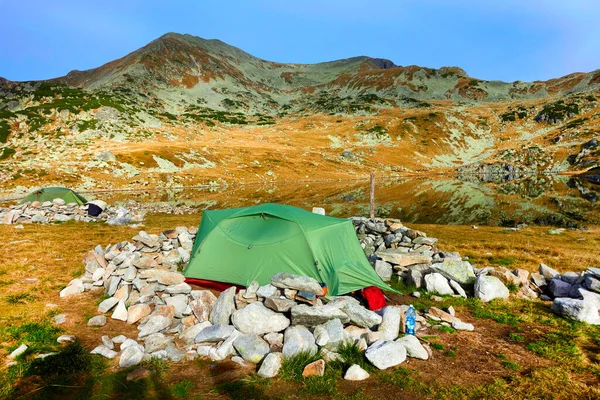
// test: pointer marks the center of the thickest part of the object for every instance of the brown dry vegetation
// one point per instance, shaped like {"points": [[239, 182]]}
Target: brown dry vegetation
{"points": [[510, 354]]}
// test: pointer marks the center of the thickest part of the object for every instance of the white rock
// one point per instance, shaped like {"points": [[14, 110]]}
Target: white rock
{"points": [[258, 319], [131, 356], [390, 324], [271, 365], [120, 312], [462, 326], [413, 347], [106, 305], [66, 339], [297, 339], [489, 287], [105, 352], [266, 291], [223, 308], [436, 283], [18, 351], [385, 354], [458, 289], [297, 282], [356, 373], [98, 320]]}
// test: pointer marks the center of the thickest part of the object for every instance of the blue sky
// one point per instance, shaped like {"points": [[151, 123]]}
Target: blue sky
{"points": [[506, 40]]}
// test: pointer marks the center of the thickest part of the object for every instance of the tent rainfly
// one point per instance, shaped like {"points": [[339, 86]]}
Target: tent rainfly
{"points": [[239, 245], [51, 193]]}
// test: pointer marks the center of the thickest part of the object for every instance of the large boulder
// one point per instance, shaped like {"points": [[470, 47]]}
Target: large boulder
{"points": [[223, 308], [585, 310], [437, 283], [297, 282], [251, 347], [413, 347], [457, 270], [489, 287], [390, 323], [384, 354], [298, 339], [258, 319], [313, 316], [361, 316]]}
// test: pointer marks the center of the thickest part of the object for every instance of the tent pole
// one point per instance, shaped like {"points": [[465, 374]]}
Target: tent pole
{"points": [[372, 195]]}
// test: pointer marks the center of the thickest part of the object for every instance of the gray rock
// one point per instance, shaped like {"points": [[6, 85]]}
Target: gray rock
{"points": [[570, 277], [223, 308], [462, 326], [592, 283], [313, 316], [413, 346], [356, 373], [390, 323], [297, 339], [384, 270], [251, 290], [385, 354], [459, 271], [189, 335], [104, 352], [547, 272], [106, 305], [489, 287], [155, 324], [156, 342], [271, 365], [107, 341], [580, 310], [437, 283], [251, 347], [360, 316], [458, 289], [559, 288], [258, 319], [182, 288], [400, 257], [179, 302], [279, 304], [266, 291], [538, 279], [131, 356], [173, 353], [225, 349], [274, 338], [330, 335], [98, 320], [414, 278], [296, 282], [214, 333]]}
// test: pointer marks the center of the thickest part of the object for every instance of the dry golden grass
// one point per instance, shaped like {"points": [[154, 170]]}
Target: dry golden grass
{"points": [[53, 255], [573, 250]]}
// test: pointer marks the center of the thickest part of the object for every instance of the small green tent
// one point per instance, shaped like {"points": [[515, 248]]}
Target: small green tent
{"points": [[239, 245], [51, 193]]}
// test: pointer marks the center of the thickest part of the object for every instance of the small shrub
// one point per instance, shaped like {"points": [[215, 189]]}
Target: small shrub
{"points": [[437, 346], [516, 337]]}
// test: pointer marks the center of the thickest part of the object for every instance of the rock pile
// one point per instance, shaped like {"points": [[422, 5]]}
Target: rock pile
{"points": [[393, 248], [58, 211], [260, 324]]}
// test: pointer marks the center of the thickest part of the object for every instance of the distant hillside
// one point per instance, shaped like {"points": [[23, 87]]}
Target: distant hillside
{"points": [[184, 109]]}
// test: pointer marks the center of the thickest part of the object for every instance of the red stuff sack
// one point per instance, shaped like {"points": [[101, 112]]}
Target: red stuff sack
{"points": [[374, 297]]}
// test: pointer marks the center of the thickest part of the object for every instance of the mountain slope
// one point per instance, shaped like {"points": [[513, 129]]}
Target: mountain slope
{"points": [[183, 110]]}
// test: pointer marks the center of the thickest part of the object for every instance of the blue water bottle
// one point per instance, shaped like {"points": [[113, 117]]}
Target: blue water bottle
{"points": [[411, 320]]}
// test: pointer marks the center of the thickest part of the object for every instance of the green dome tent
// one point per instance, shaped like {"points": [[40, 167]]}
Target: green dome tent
{"points": [[239, 245], [51, 193]]}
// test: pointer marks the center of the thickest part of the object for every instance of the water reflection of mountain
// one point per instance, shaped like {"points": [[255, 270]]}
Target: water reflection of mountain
{"points": [[542, 200]]}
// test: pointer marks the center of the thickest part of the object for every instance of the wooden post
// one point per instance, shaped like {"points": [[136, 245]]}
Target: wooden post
{"points": [[372, 195]]}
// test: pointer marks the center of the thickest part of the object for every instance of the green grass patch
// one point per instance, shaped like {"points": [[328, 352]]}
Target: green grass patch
{"points": [[496, 310], [292, 368], [558, 346], [19, 298], [38, 336], [437, 346], [515, 337], [6, 152], [182, 389]]}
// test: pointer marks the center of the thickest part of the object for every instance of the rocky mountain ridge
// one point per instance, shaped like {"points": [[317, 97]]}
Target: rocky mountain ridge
{"points": [[184, 110]]}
